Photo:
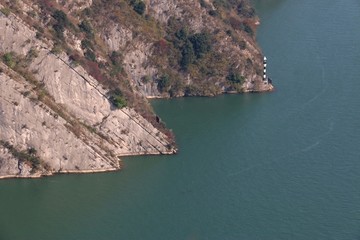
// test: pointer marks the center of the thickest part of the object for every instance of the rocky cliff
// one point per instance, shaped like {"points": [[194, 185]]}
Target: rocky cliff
{"points": [[75, 75]]}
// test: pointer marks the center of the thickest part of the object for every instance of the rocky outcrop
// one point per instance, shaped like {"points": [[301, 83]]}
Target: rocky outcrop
{"points": [[28, 123], [75, 76], [73, 127], [234, 48]]}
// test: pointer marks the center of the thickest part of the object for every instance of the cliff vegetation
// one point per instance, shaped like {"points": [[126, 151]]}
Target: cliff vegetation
{"points": [[75, 75]]}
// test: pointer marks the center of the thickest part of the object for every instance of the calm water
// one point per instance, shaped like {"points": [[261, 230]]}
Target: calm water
{"points": [[284, 165]]}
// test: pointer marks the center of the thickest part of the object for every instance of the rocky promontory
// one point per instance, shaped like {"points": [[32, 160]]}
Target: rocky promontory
{"points": [[75, 76]]}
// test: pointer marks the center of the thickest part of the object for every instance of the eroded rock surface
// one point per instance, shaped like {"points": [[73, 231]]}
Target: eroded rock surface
{"points": [[74, 128]]}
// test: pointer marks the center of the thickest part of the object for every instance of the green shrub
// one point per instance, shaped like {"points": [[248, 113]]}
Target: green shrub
{"points": [[57, 48], [138, 6], [86, 44], [119, 101], [146, 79], [213, 13], [61, 18], [182, 34], [39, 32], [203, 4], [9, 59], [187, 55], [116, 58], [87, 12], [87, 29], [249, 63], [32, 53], [38, 35], [249, 30], [234, 77], [28, 155], [115, 70], [117, 98], [5, 11], [192, 90], [164, 83], [90, 55], [32, 13], [188, 48], [74, 59], [201, 44], [61, 23], [248, 13], [242, 45], [59, 31]]}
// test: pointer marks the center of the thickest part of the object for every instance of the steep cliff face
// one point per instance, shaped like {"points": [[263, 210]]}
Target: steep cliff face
{"points": [[56, 118], [75, 75]]}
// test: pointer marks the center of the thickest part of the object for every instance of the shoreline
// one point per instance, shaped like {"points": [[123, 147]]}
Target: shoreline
{"points": [[37, 176], [270, 89], [94, 171], [87, 171]]}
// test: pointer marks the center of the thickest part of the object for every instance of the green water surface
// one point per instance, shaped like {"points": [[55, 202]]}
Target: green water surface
{"points": [[281, 165]]}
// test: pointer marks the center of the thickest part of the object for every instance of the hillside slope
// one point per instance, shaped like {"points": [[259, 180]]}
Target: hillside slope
{"points": [[75, 76]]}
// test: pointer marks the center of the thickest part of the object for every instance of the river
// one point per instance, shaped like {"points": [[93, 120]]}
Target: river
{"points": [[280, 165]]}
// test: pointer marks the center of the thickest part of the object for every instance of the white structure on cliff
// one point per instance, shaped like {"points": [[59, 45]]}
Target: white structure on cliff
{"points": [[265, 79]]}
